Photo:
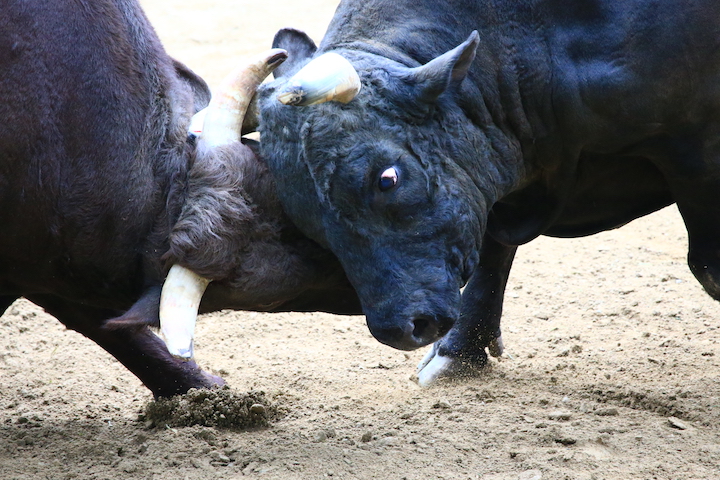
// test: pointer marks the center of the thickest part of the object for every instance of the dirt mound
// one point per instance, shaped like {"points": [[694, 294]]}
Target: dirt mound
{"points": [[222, 408]]}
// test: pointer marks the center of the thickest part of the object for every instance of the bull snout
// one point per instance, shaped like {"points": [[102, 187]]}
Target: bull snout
{"points": [[418, 331]]}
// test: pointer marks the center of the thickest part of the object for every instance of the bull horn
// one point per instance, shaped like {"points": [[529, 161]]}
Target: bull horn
{"points": [[224, 116], [327, 77], [179, 302]]}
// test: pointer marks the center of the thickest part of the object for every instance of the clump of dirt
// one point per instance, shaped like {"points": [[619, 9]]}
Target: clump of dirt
{"points": [[661, 403], [222, 408]]}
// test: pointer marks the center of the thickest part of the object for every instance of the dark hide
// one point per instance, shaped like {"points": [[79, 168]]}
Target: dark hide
{"points": [[95, 169], [555, 118]]}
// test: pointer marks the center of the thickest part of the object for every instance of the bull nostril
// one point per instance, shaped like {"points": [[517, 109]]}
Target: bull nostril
{"points": [[419, 326], [424, 328]]}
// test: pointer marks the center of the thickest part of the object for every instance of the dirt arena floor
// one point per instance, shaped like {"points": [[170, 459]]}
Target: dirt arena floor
{"points": [[611, 368]]}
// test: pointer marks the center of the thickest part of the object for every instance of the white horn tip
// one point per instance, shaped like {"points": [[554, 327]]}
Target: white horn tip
{"points": [[179, 303], [182, 352], [223, 119]]}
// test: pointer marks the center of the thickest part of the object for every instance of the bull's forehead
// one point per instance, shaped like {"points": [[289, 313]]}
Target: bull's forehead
{"points": [[333, 131], [328, 157]]}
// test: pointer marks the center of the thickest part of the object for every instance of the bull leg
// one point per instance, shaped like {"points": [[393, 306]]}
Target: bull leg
{"points": [[462, 349], [138, 349]]}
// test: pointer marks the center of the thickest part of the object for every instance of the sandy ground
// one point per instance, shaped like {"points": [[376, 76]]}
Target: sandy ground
{"points": [[611, 367]]}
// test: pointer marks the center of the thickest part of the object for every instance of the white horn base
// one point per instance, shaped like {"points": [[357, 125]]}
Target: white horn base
{"points": [[329, 77]]}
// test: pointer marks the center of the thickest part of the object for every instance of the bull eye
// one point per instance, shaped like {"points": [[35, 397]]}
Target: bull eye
{"points": [[388, 179]]}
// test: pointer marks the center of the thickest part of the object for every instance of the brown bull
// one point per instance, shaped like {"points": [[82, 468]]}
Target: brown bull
{"points": [[101, 190]]}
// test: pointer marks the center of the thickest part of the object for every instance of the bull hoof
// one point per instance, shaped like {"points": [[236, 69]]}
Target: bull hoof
{"points": [[212, 381], [185, 376], [199, 378], [496, 347], [435, 367]]}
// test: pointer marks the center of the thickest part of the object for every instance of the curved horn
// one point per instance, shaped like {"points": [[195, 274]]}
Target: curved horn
{"points": [[327, 77], [218, 124], [179, 302], [224, 116]]}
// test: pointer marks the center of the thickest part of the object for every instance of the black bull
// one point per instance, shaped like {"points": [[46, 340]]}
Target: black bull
{"points": [[481, 125], [100, 189]]}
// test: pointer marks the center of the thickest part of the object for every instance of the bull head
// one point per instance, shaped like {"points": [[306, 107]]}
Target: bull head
{"points": [[365, 180], [220, 124]]}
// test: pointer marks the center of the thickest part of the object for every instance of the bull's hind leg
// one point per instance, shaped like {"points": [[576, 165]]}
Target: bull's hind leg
{"points": [[462, 349], [138, 349]]}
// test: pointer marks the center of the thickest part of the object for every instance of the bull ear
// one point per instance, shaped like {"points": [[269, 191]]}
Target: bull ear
{"points": [[446, 71], [201, 91], [299, 46]]}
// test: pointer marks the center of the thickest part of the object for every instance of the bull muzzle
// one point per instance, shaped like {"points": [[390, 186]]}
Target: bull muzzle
{"points": [[220, 124], [329, 77], [418, 331]]}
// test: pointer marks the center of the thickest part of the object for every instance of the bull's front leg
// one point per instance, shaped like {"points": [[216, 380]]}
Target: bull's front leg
{"points": [[133, 344], [462, 350]]}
